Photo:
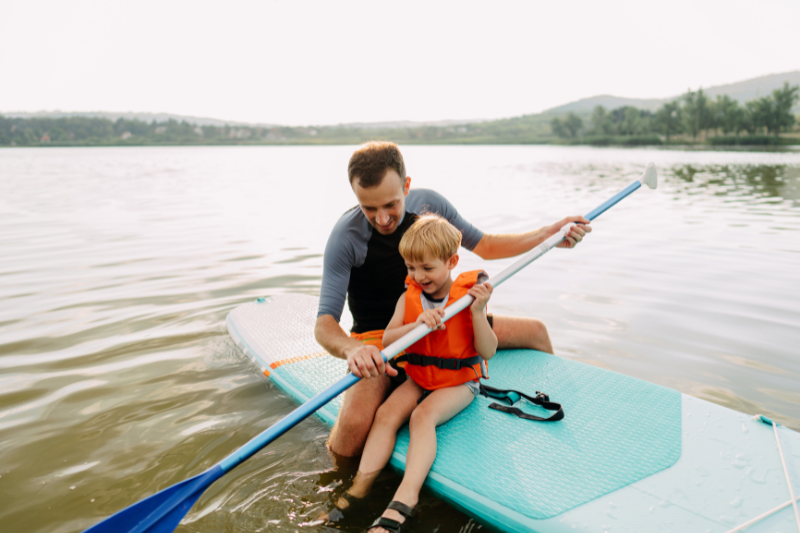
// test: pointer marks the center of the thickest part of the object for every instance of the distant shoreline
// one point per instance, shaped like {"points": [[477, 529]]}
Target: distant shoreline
{"points": [[757, 112], [529, 130]]}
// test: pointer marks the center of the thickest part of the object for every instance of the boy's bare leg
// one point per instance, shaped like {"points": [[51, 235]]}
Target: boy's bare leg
{"points": [[435, 410], [359, 405], [518, 332], [390, 417]]}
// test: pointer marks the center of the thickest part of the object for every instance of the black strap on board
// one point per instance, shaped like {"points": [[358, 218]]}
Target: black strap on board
{"points": [[510, 396], [513, 396]]}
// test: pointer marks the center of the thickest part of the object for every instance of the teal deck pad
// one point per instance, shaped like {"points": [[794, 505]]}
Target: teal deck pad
{"points": [[606, 441], [305, 379]]}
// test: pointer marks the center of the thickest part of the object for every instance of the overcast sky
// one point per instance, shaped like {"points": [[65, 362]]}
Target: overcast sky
{"points": [[309, 62]]}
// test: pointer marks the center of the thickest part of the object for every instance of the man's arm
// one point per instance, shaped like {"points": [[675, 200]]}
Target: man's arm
{"points": [[510, 245], [364, 361], [333, 338], [341, 254], [493, 246]]}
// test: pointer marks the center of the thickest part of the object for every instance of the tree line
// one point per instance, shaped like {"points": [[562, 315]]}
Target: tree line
{"points": [[82, 131], [88, 131], [691, 115]]}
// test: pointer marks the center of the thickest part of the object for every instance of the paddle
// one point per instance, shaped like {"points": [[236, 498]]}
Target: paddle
{"points": [[161, 512]]}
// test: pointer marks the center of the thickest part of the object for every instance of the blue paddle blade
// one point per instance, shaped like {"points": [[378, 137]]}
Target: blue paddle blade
{"points": [[161, 512]]}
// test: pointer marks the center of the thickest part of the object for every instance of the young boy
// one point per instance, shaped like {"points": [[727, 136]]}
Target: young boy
{"points": [[429, 248]]}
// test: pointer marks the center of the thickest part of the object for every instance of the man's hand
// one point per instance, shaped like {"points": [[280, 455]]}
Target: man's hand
{"points": [[576, 232], [366, 361]]}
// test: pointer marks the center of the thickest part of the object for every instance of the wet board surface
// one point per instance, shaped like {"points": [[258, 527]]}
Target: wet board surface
{"points": [[629, 455]]}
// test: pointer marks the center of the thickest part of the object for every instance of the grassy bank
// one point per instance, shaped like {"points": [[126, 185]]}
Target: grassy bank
{"points": [[753, 140], [529, 129]]}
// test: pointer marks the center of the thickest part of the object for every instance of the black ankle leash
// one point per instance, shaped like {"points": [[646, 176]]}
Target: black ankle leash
{"points": [[513, 396]]}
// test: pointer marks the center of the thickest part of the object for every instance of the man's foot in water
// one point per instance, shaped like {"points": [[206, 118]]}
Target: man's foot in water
{"points": [[351, 499]]}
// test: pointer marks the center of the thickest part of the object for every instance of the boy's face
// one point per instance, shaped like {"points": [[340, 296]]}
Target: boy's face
{"points": [[433, 275], [384, 204]]}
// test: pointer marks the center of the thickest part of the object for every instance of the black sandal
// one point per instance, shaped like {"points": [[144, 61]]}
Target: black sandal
{"points": [[393, 525], [337, 513]]}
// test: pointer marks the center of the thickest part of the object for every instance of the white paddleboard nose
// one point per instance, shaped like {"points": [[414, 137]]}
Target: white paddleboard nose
{"points": [[650, 178]]}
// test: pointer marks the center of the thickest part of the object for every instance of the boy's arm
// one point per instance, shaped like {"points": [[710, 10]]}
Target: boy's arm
{"points": [[485, 339]]}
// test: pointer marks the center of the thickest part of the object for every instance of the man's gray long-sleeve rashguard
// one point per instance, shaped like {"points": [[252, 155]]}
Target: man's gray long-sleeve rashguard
{"points": [[366, 268]]}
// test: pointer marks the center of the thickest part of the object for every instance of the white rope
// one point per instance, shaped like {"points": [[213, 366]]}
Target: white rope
{"points": [[760, 517], [788, 481], [792, 501]]}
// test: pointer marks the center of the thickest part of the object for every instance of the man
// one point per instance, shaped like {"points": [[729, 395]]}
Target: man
{"points": [[362, 263]]}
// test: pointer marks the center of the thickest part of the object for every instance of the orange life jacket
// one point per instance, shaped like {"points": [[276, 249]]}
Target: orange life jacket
{"points": [[455, 342]]}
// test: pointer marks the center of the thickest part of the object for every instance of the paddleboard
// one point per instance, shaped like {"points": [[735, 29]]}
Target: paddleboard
{"points": [[629, 456]]}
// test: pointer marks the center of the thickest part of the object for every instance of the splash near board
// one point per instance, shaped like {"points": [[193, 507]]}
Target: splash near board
{"points": [[629, 456]]}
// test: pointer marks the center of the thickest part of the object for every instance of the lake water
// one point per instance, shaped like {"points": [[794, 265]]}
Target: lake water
{"points": [[119, 265]]}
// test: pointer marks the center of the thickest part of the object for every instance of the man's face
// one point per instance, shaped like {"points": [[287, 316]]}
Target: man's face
{"points": [[385, 204]]}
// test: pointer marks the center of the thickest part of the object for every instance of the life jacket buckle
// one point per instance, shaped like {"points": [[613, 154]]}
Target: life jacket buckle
{"points": [[542, 396]]}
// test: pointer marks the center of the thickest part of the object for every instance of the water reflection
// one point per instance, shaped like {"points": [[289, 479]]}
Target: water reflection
{"points": [[766, 181]]}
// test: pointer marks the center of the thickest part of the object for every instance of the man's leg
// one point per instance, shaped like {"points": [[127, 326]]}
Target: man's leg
{"points": [[360, 403], [517, 332]]}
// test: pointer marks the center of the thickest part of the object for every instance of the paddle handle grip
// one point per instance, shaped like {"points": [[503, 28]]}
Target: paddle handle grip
{"points": [[649, 177]]}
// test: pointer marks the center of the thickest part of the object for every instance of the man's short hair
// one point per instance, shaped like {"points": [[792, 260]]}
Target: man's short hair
{"points": [[430, 237], [372, 160]]}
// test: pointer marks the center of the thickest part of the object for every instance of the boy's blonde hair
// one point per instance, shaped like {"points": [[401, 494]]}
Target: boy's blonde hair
{"points": [[431, 236]]}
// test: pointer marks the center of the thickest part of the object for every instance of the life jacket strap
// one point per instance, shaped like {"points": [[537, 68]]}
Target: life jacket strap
{"points": [[445, 363], [512, 397]]}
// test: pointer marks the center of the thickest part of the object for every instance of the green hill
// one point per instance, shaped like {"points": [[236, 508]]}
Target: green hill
{"points": [[741, 91]]}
